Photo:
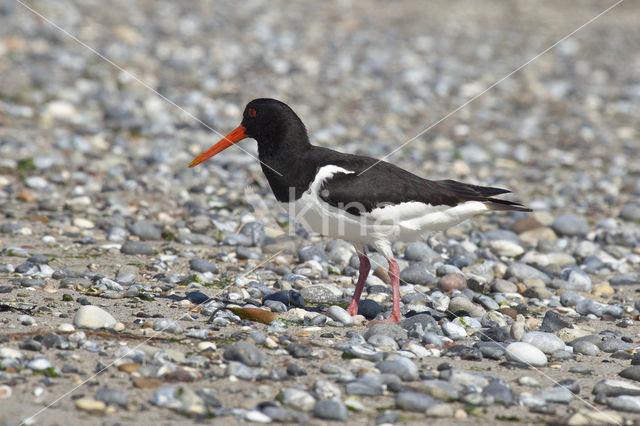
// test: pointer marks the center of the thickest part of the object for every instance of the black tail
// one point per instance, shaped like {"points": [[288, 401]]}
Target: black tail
{"points": [[468, 192]]}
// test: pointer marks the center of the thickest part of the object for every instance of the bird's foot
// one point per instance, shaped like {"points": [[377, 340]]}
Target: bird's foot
{"points": [[395, 317], [352, 309]]}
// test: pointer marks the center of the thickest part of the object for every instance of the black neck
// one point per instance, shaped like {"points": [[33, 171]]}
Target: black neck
{"points": [[279, 154]]}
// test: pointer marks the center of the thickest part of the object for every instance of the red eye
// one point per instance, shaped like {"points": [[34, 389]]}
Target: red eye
{"points": [[251, 112]]}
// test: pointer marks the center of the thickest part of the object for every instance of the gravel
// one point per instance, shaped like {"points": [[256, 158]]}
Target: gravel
{"points": [[194, 296]]}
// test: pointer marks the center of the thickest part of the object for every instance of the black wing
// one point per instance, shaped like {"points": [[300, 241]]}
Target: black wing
{"points": [[385, 184]]}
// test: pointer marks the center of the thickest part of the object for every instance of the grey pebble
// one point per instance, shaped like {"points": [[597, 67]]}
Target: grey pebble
{"points": [[392, 330], [321, 294], [570, 225], [414, 401], [330, 409], [400, 366], [626, 403], [136, 247], [112, 396], [337, 313], [202, 265], [244, 352], [145, 230]]}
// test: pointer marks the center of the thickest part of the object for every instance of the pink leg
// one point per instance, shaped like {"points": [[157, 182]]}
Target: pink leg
{"points": [[363, 273], [394, 274]]}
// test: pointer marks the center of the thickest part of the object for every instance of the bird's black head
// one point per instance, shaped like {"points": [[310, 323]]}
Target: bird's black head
{"points": [[270, 122]]}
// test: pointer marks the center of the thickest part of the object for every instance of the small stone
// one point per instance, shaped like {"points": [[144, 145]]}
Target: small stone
{"points": [[503, 286], [418, 251], [528, 381], [112, 396], [500, 392], [522, 272], [136, 247], [201, 265], [454, 331], [461, 304], [299, 350], [556, 394], [414, 401], [632, 373], [452, 282], [553, 321], [145, 230], [5, 392], [382, 342], [400, 366], [610, 387], [570, 225], [331, 409], [527, 354], [626, 403], [10, 353], [338, 314], [630, 211], [256, 416], [417, 273], [90, 405], [298, 399], [93, 317], [586, 348], [168, 325], [392, 330], [39, 364], [244, 352], [321, 294], [369, 309], [505, 248], [546, 342]]}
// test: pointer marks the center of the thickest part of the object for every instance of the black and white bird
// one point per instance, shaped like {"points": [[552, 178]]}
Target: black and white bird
{"points": [[353, 197]]}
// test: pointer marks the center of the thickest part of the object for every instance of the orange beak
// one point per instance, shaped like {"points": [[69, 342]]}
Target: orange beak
{"points": [[235, 136]]}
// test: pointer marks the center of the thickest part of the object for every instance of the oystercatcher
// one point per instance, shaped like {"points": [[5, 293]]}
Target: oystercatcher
{"points": [[353, 197]]}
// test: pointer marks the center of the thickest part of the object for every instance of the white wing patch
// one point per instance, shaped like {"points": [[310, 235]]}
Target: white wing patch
{"points": [[323, 174]]}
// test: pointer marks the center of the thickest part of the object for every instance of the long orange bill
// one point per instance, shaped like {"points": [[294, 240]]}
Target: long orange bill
{"points": [[235, 136]]}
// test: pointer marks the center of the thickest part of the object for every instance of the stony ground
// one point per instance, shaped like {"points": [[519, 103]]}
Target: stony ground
{"points": [[134, 290]]}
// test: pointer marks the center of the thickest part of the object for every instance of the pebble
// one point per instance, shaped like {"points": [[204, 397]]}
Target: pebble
{"points": [[417, 273], [136, 247], [90, 405], [99, 211], [570, 225], [454, 331], [631, 373], [625, 403], [611, 387], [330, 409], [523, 272], [548, 343], [244, 352], [400, 366], [166, 325], [338, 314], [369, 309], [414, 401], [321, 294], [298, 399], [553, 321], [392, 330], [93, 317], [201, 265], [452, 282], [527, 354]]}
